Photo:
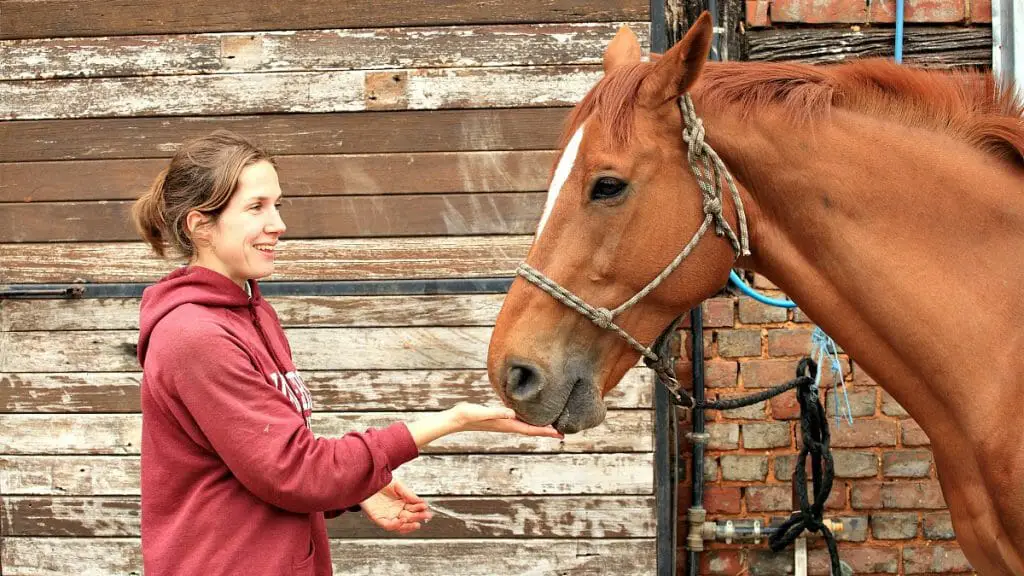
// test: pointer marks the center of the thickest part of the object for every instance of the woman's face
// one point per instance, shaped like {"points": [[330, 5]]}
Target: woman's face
{"points": [[241, 243]]}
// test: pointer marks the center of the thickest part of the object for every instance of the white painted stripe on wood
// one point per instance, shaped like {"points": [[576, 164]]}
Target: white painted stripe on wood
{"points": [[294, 311], [121, 434], [456, 474], [319, 50], [334, 259], [267, 93], [355, 390], [120, 556], [454, 517]]}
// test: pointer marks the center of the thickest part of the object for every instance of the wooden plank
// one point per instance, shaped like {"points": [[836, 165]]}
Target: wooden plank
{"points": [[923, 46], [269, 93], [62, 18], [311, 50], [454, 517], [293, 311], [320, 217], [344, 259], [121, 434], [287, 134], [397, 390], [478, 475], [109, 556], [313, 348], [323, 175]]}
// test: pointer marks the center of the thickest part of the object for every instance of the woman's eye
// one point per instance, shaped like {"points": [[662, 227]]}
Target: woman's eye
{"points": [[607, 187]]}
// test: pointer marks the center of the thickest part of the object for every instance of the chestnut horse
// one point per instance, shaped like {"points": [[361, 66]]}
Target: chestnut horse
{"points": [[888, 202]]}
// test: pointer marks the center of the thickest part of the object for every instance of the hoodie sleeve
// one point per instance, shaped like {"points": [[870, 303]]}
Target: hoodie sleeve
{"points": [[262, 438]]}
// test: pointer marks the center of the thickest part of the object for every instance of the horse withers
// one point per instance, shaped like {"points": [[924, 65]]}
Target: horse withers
{"points": [[887, 201]]}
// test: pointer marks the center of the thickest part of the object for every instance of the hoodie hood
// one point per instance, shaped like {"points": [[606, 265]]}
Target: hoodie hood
{"points": [[188, 285]]}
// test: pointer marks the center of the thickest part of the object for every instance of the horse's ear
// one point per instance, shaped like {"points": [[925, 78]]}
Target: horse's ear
{"points": [[624, 49], [680, 67]]}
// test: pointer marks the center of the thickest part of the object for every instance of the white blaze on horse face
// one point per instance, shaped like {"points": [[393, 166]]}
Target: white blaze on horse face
{"points": [[562, 172]]}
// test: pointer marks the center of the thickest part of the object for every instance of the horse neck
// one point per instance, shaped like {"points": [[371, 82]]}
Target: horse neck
{"points": [[886, 238]]}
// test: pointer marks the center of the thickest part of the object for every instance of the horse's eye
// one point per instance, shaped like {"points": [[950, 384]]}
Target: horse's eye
{"points": [[607, 188]]}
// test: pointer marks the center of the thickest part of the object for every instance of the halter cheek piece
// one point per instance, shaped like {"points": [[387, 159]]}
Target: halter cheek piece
{"points": [[710, 172]]}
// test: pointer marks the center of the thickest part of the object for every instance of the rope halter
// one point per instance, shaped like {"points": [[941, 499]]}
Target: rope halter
{"points": [[710, 171]]}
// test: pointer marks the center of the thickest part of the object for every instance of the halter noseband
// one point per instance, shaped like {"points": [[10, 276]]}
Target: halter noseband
{"points": [[709, 169]]}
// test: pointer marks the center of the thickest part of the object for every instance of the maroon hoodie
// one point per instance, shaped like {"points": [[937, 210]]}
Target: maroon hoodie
{"points": [[233, 480]]}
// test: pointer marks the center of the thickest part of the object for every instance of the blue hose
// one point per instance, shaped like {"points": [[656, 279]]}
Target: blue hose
{"points": [[739, 283], [899, 31]]}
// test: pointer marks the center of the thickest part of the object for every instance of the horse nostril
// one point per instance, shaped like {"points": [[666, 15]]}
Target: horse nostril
{"points": [[522, 383]]}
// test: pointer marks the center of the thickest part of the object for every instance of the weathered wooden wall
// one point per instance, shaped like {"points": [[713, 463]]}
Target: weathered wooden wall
{"points": [[414, 141]]}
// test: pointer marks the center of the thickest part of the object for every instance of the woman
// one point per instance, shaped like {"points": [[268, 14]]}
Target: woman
{"points": [[233, 480]]}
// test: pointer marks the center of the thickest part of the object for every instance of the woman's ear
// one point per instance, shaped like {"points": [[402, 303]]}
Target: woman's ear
{"points": [[195, 225]]}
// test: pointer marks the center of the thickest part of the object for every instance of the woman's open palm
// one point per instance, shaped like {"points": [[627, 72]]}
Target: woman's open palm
{"points": [[396, 509]]}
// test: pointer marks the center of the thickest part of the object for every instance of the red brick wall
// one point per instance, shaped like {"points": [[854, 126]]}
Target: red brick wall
{"points": [[885, 490], [765, 13]]}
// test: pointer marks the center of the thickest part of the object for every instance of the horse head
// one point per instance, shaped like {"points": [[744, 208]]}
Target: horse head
{"points": [[621, 203]]}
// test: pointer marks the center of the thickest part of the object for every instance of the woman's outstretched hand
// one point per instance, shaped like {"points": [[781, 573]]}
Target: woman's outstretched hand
{"points": [[466, 417], [478, 418]]}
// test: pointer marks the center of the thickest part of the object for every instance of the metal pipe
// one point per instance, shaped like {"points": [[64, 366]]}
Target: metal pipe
{"points": [[666, 423], [698, 437]]}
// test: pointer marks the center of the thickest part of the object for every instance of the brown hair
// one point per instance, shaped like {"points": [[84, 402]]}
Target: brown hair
{"points": [[202, 176]]}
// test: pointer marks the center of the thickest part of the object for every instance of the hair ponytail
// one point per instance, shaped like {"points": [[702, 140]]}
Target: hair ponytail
{"points": [[148, 215]]}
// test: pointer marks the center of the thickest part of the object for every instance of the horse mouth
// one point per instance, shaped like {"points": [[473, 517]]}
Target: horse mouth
{"points": [[583, 409]]}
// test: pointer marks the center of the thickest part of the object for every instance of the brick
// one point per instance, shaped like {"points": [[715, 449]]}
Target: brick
{"points": [[890, 407], [753, 312], [785, 407], [744, 467], [757, 14], [861, 560], [910, 495], [783, 467], [938, 526], [980, 11], [861, 378], [866, 496], [865, 433], [779, 497], [724, 436], [762, 562], [717, 374], [767, 435], [862, 404], [757, 411], [710, 469], [773, 498], [716, 313], [738, 343], [920, 11], [912, 435], [687, 346], [940, 559], [855, 464], [907, 464], [789, 342], [763, 283], [897, 526], [801, 317], [721, 562], [819, 12], [855, 529], [722, 500], [766, 373]]}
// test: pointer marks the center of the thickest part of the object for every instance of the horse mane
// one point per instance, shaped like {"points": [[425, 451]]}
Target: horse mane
{"points": [[964, 104]]}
